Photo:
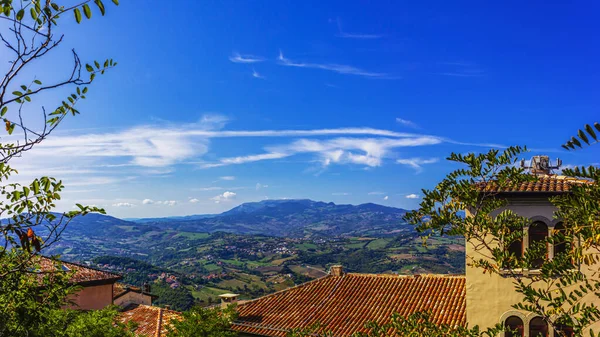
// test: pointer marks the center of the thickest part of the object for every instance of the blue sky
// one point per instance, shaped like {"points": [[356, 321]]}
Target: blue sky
{"points": [[218, 103]]}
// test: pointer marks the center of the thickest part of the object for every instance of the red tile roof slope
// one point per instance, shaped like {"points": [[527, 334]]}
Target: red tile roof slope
{"points": [[82, 274], [543, 184], [343, 304], [151, 321]]}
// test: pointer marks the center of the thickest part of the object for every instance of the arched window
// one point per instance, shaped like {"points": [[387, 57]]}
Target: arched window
{"points": [[538, 328], [538, 232], [514, 248], [514, 327], [561, 246], [564, 330]]}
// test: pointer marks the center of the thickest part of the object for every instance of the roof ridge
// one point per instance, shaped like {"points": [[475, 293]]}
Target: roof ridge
{"points": [[159, 322]]}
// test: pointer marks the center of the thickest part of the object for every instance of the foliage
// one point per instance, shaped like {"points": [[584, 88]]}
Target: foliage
{"points": [[32, 300], [179, 298], [583, 135], [204, 322]]}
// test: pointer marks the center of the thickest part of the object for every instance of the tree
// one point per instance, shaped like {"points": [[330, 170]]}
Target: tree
{"points": [[31, 300], [204, 322]]}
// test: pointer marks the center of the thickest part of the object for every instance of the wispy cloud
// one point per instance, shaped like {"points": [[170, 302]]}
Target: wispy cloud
{"points": [[341, 193], [362, 36], [361, 151], [338, 68], [406, 122], [194, 200], [417, 163], [238, 58], [386, 197], [260, 186], [147, 201], [228, 178], [376, 193], [255, 74], [412, 196], [460, 69]]}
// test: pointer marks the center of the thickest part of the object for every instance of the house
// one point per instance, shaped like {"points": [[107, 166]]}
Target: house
{"points": [[97, 285], [342, 302], [490, 296]]}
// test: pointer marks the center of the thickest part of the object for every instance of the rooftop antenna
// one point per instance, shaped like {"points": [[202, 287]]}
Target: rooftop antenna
{"points": [[541, 165]]}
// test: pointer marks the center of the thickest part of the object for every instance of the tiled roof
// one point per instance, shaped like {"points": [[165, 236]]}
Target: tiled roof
{"points": [[83, 274], [542, 184], [343, 304], [151, 321], [119, 289]]}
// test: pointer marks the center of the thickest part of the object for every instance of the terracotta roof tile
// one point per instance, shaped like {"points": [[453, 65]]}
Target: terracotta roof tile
{"points": [[151, 321], [343, 304], [82, 274], [542, 184]]}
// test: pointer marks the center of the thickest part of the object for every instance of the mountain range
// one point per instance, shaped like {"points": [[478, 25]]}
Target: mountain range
{"points": [[286, 218]]}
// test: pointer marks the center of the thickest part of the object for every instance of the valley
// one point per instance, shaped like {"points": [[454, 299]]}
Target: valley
{"points": [[187, 265]]}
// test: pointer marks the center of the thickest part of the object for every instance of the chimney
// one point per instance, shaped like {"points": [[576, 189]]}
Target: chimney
{"points": [[146, 288], [227, 299], [336, 270], [541, 165]]}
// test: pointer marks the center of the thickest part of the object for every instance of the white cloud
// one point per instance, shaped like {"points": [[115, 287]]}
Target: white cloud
{"points": [[412, 196], [194, 200], [148, 202], [341, 193], [338, 68], [170, 202], [123, 204], [227, 178], [386, 197], [417, 163], [408, 123], [376, 193], [238, 58], [211, 188], [226, 196], [260, 186], [255, 74]]}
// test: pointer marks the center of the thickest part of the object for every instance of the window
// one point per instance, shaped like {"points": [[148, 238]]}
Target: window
{"points": [[561, 246], [538, 328], [538, 232], [514, 327], [515, 248], [564, 330]]}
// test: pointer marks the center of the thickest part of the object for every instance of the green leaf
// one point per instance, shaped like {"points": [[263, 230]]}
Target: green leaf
{"points": [[24, 87], [97, 64], [590, 130], [36, 186], [116, 2], [20, 14], [3, 111], [33, 13], [87, 11], [89, 68], [54, 6], [583, 137], [38, 82], [17, 93], [100, 6], [77, 13]]}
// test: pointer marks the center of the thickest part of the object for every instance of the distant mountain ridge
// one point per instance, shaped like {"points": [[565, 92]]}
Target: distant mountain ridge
{"points": [[291, 217]]}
